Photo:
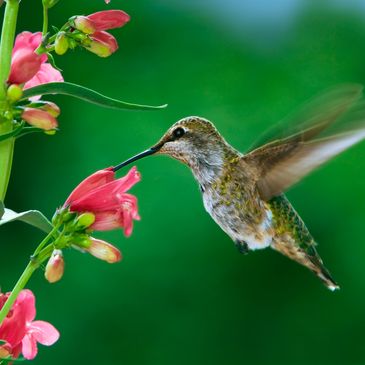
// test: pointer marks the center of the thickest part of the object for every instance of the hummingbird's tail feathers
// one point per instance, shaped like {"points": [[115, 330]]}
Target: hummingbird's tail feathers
{"points": [[313, 263], [294, 240], [282, 163], [327, 279]]}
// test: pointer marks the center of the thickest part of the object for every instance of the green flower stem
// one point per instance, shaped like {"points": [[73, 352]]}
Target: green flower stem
{"points": [[47, 238], [6, 159], [27, 273], [40, 255], [6, 47], [45, 20]]}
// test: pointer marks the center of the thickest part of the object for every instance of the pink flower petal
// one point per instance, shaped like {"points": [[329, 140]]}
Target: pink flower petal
{"points": [[45, 74], [24, 66], [106, 197], [108, 19], [92, 182], [127, 222], [44, 332], [27, 39], [20, 332], [13, 328], [132, 178], [27, 299], [25, 63], [29, 347], [107, 220], [99, 200]]}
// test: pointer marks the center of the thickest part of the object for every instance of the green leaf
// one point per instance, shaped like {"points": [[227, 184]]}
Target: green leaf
{"points": [[32, 217], [13, 133], [81, 92]]}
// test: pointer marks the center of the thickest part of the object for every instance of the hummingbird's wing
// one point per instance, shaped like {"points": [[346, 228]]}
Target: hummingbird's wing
{"points": [[283, 162], [313, 117]]}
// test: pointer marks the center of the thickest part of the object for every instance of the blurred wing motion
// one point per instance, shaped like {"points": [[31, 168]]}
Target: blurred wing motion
{"points": [[328, 125]]}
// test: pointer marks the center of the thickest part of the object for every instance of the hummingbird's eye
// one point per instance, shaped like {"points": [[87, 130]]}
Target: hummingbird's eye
{"points": [[178, 132]]}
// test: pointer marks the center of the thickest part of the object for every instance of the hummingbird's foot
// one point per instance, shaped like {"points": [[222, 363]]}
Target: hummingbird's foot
{"points": [[242, 247]]}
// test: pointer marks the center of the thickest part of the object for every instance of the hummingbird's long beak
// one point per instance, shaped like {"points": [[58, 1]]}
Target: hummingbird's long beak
{"points": [[148, 152]]}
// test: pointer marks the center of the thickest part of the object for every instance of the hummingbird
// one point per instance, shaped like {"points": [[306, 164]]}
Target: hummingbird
{"points": [[244, 192]]}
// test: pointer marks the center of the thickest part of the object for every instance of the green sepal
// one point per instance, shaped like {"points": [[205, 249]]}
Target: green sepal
{"points": [[33, 217], [52, 61], [84, 93]]}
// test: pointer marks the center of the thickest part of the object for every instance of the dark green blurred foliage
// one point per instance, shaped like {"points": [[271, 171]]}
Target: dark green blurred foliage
{"points": [[183, 294]]}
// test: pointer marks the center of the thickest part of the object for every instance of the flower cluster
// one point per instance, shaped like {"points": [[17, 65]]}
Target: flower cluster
{"points": [[33, 65], [92, 29], [99, 203], [29, 69], [19, 332]]}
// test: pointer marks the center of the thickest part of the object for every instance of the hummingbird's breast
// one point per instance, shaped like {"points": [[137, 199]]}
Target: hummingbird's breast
{"points": [[235, 205]]}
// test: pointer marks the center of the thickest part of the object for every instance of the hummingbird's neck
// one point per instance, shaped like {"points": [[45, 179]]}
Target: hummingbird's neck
{"points": [[209, 165]]}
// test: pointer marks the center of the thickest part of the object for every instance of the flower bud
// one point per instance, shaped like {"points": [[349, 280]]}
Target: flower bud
{"points": [[83, 24], [55, 267], [14, 93], [99, 49], [61, 43], [102, 44], [104, 251], [39, 118], [51, 108], [85, 220]]}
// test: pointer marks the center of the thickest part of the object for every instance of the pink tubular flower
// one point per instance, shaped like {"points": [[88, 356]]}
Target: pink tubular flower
{"points": [[105, 197], [27, 66], [19, 330], [39, 118]]}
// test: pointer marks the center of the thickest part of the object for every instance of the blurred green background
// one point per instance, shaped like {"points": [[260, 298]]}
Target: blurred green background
{"points": [[183, 294]]}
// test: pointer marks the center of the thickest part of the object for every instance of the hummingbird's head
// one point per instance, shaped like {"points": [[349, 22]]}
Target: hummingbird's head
{"points": [[192, 140]]}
